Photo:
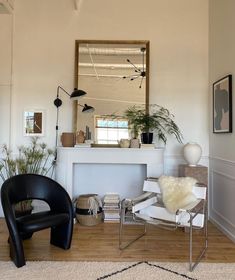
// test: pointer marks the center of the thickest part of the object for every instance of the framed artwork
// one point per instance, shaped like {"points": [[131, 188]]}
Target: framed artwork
{"points": [[34, 123], [222, 105]]}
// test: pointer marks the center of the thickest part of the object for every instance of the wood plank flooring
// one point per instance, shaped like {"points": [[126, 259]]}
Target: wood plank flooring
{"points": [[100, 243]]}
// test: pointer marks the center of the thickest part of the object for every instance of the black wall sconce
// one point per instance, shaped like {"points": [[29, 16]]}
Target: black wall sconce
{"points": [[75, 95]]}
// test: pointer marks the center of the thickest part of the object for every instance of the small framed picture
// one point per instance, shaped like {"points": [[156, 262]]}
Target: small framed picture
{"points": [[34, 123], [222, 105]]}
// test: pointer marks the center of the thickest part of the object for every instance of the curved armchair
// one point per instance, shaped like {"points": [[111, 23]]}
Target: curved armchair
{"points": [[59, 218]]}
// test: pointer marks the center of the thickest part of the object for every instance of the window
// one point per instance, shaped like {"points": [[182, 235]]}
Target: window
{"points": [[109, 130]]}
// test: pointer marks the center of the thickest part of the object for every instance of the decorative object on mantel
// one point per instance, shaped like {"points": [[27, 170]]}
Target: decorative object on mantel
{"points": [[154, 119], [147, 146], [124, 143], [89, 210], [134, 143], [88, 133], [81, 137], [75, 95], [147, 137], [192, 153], [67, 139], [82, 145]]}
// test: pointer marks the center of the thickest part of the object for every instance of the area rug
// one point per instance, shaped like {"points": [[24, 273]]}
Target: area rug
{"points": [[42, 270]]}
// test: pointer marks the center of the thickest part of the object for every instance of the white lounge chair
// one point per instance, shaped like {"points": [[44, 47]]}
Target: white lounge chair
{"points": [[149, 208]]}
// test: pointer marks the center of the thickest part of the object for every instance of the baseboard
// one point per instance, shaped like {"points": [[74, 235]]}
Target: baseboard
{"points": [[223, 229]]}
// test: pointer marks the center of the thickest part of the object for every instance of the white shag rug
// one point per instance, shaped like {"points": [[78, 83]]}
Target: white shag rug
{"points": [[58, 270]]}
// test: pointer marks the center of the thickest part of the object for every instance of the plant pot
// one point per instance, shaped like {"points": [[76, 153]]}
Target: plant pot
{"points": [[147, 137], [19, 213], [23, 208]]}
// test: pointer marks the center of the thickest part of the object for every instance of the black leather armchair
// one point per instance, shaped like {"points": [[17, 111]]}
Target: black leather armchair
{"points": [[59, 218]]}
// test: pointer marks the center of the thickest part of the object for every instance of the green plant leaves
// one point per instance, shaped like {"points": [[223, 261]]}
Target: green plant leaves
{"points": [[35, 158], [158, 119]]}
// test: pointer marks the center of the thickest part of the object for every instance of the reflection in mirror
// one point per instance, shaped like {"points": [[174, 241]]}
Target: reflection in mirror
{"points": [[33, 123], [115, 74]]}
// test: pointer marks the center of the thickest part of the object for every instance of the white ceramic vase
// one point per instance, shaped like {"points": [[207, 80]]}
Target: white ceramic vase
{"points": [[192, 153]]}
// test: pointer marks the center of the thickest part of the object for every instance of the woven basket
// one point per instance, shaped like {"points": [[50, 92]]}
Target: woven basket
{"points": [[83, 215]]}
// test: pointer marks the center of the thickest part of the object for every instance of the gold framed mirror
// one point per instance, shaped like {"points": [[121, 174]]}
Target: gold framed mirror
{"points": [[115, 75]]}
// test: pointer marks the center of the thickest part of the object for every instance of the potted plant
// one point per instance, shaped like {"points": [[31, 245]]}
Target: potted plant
{"points": [[35, 158], [158, 119]]}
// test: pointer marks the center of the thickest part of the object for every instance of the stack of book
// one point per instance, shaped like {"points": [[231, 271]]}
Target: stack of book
{"points": [[82, 145], [147, 146], [111, 207]]}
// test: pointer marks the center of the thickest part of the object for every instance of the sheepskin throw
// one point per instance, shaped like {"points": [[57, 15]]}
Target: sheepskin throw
{"points": [[177, 192]]}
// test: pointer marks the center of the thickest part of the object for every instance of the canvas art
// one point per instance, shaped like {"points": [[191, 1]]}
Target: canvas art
{"points": [[222, 105]]}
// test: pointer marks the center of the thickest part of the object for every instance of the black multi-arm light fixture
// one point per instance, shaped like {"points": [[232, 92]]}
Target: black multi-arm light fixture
{"points": [[75, 95], [138, 71]]}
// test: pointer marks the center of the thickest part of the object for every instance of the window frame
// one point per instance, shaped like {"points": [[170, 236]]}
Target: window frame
{"points": [[109, 117]]}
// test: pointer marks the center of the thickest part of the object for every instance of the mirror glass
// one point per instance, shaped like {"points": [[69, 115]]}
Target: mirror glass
{"points": [[115, 75]]}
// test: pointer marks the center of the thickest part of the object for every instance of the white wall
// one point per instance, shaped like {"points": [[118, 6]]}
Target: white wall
{"points": [[5, 76], [44, 37], [222, 152], [44, 43], [5, 79]]}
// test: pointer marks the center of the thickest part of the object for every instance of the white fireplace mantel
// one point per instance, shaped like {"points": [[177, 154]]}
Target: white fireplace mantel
{"points": [[68, 158]]}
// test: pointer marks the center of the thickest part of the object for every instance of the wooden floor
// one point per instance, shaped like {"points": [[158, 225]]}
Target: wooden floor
{"points": [[100, 243]]}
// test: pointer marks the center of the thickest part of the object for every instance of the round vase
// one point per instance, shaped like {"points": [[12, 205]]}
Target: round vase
{"points": [[124, 143], [192, 153], [68, 139], [81, 137]]}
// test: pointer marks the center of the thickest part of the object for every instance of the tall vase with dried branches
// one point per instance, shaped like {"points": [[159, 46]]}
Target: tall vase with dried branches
{"points": [[34, 158]]}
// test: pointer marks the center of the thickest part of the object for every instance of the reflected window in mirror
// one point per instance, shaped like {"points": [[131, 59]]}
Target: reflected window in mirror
{"points": [[115, 74], [110, 130]]}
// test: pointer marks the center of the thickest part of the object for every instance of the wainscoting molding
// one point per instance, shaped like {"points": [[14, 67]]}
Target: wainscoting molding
{"points": [[221, 195], [172, 162]]}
